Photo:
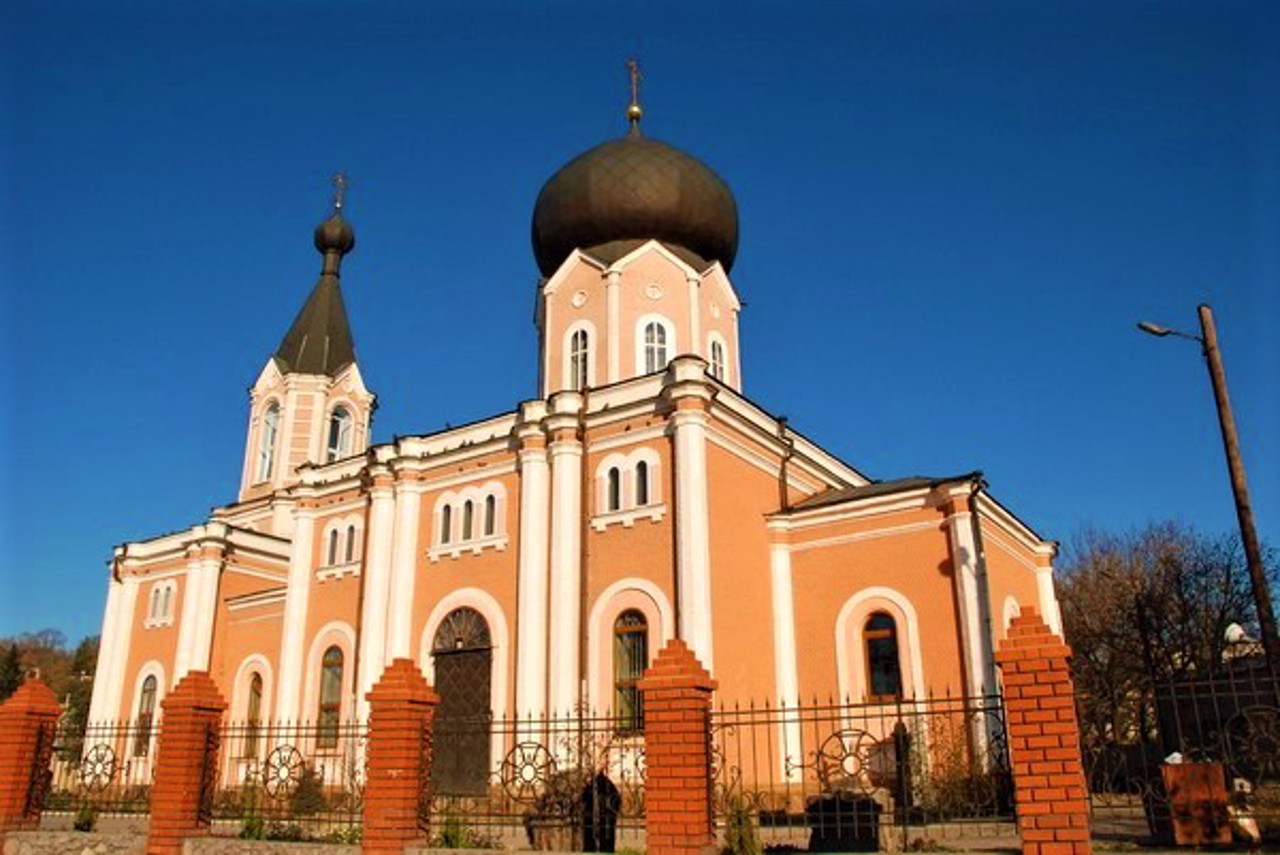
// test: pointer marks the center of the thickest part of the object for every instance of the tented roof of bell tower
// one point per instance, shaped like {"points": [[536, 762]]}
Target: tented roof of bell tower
{"points": [[320, 340]]}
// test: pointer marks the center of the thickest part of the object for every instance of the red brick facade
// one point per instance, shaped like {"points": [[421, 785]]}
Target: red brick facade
{"points": [[27, 720], [185, 762], [677, 743], [401, 708], [1044, 740]]}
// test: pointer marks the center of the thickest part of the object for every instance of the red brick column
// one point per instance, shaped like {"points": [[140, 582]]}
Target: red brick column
{"points": [[185, 763], [27, 723], [1044, 740], [677, 749], [398, 770]]}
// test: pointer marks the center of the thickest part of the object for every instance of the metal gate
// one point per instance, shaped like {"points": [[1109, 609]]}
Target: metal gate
{"points": [[463, 654]]}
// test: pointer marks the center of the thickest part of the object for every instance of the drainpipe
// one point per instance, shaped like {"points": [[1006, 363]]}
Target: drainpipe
{"points": [[784, 502]]}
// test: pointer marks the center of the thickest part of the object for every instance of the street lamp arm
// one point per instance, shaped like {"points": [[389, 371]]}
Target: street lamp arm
{"points": [[1160, 332]]}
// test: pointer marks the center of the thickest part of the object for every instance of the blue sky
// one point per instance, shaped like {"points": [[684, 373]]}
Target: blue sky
{"points": [[951, 219]]}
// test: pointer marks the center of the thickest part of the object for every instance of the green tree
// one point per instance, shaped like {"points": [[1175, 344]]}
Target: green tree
{"points": [[10, 671]]}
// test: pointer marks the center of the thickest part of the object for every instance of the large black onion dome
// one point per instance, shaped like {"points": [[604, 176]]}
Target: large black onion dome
{"points": [[629, 190]]}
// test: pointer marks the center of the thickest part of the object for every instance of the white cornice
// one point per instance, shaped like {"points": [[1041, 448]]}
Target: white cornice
{"points": [[644, 249], [552, 284], [850, 509], [990, 509]]}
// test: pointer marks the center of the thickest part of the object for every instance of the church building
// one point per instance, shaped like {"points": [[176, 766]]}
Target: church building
{"points": [[534, 562]]}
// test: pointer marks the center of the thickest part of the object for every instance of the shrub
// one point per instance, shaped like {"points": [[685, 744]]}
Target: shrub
{"points": [[740, 836], [86, 819]]}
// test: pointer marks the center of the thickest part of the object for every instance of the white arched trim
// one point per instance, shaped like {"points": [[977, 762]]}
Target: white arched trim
{"points": [[254, 662], [851, 666], [630, 593], [349, 529], [335, 632], [150, 668], [628, 511], [491, 611], [161, 602], [566, 358], [1010, 610], [671, 341], [456, 500]]}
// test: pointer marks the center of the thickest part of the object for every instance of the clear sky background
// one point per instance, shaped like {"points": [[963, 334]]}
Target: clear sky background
{"points": [[951, 219]]}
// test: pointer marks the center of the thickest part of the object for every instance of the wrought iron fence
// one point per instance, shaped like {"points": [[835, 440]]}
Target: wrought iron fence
{"points": [[567, 783], [290, 781], [95, 769], [1139, 745], [857, 777]]}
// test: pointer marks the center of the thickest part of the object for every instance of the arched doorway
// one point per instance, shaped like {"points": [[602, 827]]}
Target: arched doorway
{"points": [[463, 658]]}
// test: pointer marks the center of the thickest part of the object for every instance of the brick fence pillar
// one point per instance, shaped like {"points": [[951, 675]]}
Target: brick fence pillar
{"points": [[1044, 740], [398, 771], [676, 693], [185, 763], [28, 720]]}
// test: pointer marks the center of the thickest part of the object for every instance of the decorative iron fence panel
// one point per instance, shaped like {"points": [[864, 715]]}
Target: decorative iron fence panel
{"points": [[287, 781], [570, 783], [857, 777], [102, 768], [1128, 742]]}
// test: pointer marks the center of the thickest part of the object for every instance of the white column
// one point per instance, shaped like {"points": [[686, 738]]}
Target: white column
{"points": [[113, 656], [964, 551], [531, 592], [195, 625], [613, 335], [1048, 599], [377, 588], [693, 529], [404, 565], [566, 555], [784, 657], [695, 319], [289, 677]]}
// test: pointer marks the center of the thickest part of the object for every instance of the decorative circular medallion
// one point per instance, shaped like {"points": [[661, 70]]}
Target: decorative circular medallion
{"points": [[579, 299], [282, 772], [98, 767], [653, 291], [526, 770]]}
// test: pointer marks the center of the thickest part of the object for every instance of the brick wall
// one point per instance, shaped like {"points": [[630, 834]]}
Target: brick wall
{"points": [[189, 729], [27, 719], [401, 709]]}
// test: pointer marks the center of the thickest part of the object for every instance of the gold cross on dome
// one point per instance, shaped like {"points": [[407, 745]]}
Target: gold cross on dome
{"points": [[340, 184], [633, 111]]}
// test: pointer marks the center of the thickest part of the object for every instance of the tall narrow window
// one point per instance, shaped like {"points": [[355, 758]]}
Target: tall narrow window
{"points": [[154, 612], [146, 715], [884, 674], [446, 523], [330, 698], [642, 483], [267, 442], [630, 658], [253, 716], [333, 547], [339, 435], [490, 514], [351, 543], [614, 487], [717, 360], [655, 347], [579, 353], [468, 518], [166, 601]]}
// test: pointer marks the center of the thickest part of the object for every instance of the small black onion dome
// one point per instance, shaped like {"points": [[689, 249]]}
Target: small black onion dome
{"points": [[335, 234], [629, 190]]}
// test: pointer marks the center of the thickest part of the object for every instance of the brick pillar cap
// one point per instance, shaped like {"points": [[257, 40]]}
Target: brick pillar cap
{"points": [[402, 681], [33, 697], [1029, 635], [676, 668], [195, 691]]}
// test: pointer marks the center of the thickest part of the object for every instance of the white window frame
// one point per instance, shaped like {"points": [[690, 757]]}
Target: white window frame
{"points": [[160, 603], [570, 375], [346, 433], [628, 511], [715, 340], [456, 501], [670, 346], [267, 442]]}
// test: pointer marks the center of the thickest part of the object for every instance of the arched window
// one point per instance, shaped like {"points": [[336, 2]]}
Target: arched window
{"points": [[339, 435], [614, 502], [146, 716], [330, 698], [468, 518], [579, 354], [630, 658], [154, 611], [490, 514], [446, 523], [267, 442], [655, 347], [333, 547], [166, 600], [642, 483], [351, 543], [717, 360], [253, 716], [884, 673]]}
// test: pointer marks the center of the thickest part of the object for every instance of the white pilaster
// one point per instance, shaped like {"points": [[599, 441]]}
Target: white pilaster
{"points": [[204, 583], [404, 554], [737, 354], [695, 318], [1048, 599], [377, 587], [964, 551], [693, 529], [613, 335], [566, 552], [784, 657], [113, 656], [531, 593], [289, 677]]}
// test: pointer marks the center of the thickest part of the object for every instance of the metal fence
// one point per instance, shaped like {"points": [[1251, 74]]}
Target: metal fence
{"points": [[567, 783], [290, 781], [1141, 747], [835, 777], [98, 769]]}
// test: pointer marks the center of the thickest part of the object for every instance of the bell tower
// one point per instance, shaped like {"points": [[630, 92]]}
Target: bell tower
{"points": [[309, 403]]}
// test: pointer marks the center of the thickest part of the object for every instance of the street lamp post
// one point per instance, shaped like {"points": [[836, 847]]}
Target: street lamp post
{"points": [[1235, 464]]}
